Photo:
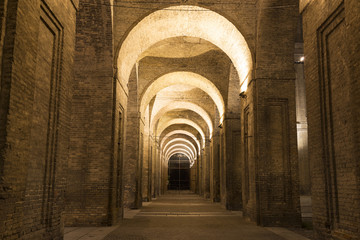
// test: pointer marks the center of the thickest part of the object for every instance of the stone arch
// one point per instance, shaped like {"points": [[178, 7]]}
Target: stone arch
{"points": [[183, 121], [176, 150], [184, 20], [183, 140], [186, 78], [182, 146], [186, 145], [163, 140], [187, 106]]}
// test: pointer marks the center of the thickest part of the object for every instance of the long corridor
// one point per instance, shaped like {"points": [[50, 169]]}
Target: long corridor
{"points": [[184, 215]]}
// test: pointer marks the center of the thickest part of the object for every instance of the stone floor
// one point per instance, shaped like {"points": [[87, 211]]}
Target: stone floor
{"points": [[182, 216]]}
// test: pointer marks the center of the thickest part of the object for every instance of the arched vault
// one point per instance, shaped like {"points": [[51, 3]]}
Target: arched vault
{"points": [[180, 140], [186, 78], [186, 145], [163, 140], [175, 105], [182, 146], [177, 150], [182, 121], [184, 20]]}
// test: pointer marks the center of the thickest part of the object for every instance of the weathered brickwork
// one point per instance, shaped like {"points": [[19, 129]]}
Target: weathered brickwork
{"points": [[248, 156], [331, 34], [213, 65], [232, 129], [37, 61], [77, 147], [132, 177], [91, 177], [269, 129], [275, 62]]}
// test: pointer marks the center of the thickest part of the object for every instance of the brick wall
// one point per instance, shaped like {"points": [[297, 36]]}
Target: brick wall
{"points": [[50, 157], [331, 33], [37, 61]]}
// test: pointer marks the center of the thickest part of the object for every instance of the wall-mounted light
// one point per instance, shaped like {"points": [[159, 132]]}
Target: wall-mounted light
{"points": [[242, 94], [300, 60]]}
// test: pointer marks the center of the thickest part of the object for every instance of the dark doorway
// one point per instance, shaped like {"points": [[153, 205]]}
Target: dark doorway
{"points": [[179, 172]]}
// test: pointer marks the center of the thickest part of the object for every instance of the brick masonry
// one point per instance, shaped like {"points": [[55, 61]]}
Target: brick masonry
{"points": [[331, 33], [37, 62], [71, 149]]}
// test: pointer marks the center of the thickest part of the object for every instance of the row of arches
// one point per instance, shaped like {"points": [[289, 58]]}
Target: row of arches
{"points": [[180, 100], [98, 98], [178, 72]]}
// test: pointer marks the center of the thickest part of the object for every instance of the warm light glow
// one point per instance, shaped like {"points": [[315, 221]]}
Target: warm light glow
{"points": [[178, 105], [179, 152], [180, 140], [185, 78], [175, 151], [244, 85], [190, 148], [182, 121], [181, 47], [221, 120], [191, 21], [182, 146], [182, 150], [180, 132]]}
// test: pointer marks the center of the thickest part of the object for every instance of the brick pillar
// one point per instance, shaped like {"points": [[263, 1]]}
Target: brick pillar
{"points": [[157, 171], [222, 166], [272, 177], [201, 172], [193, 177], [131, 173], [214, 171], [153, 168], [206, 165], [198, 174], [233, 162]]}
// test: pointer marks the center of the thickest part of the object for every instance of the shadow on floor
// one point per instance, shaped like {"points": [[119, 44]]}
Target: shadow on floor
{"points": [[180, 215]]}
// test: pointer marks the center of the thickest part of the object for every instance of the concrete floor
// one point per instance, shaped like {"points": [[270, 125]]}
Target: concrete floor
{"points": [[182, 216]]}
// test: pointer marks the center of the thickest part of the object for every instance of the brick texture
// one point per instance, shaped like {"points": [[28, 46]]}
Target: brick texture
{"points": [[37, 61], [331, 67], [75, 148]]}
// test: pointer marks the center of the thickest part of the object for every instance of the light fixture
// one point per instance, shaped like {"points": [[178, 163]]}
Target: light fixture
{"points": [[242, 94], [300, 60]]}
